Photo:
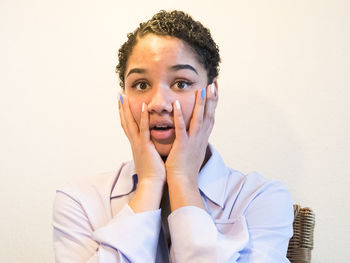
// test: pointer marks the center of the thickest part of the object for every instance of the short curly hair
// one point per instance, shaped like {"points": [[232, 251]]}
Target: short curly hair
{"points": [[180, 25]]}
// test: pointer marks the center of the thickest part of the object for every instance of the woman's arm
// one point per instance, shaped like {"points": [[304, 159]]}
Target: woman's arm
{"points": [[189, 150], [148, 163], [128, 237], [185, 159]]}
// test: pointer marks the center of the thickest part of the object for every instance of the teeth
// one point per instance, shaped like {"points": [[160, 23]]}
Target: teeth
{"points": [[161, 127]]}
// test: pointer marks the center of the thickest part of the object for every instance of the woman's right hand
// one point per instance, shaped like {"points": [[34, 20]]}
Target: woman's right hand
{"points": [[149, 165]]}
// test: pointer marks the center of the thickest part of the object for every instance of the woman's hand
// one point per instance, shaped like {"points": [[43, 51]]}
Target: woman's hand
{"points": [[189, 148], [149, 166]]}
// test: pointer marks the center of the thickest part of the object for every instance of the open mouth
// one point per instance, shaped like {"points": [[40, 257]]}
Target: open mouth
{"points": [[162, 132], [161, 125], [161, 128]]}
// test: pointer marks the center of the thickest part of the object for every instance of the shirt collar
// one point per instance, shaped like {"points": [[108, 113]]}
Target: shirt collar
{"points": [[126, 181], [212, 179]]}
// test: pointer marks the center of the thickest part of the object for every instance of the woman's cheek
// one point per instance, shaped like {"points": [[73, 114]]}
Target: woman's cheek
{"points": [[187, 109], [135, 108]]}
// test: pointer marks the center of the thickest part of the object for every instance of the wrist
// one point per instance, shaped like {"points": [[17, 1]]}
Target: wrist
{"points": [[147, 196], [185, 181], [184, 192], [154, 183]]}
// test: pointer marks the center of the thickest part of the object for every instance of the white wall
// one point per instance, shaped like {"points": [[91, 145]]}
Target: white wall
{"points": [[284, 88]]}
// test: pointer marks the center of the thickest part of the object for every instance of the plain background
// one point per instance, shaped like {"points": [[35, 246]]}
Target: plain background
{"points": [[283, 109]]}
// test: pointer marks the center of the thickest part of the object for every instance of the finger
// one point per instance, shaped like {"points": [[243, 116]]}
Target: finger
{"points": [[130, 123], [197, 115], [144, 122], [121, 115], [210, 106], [180, 126]]}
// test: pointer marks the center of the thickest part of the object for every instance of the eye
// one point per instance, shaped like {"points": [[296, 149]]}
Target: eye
{"points": [[182, 84], [140, 85]]}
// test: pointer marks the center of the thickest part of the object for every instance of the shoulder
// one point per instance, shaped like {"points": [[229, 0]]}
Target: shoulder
{"points": [[254, 184], [86, 199], [97, 184], [238, 192], [266, 189], [261, 199]]}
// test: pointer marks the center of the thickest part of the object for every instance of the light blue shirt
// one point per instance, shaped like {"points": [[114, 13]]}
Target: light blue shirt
{"points": [[247, 219]]}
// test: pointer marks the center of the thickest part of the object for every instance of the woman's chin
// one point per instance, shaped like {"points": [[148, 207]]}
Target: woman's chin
{"points": [[163, 149]]}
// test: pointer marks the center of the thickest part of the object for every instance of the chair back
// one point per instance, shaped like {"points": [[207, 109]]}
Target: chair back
{"points": [[302, 242]]}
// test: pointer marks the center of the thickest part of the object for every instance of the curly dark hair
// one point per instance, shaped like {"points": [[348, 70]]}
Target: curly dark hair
{"points": [[180, 25]]}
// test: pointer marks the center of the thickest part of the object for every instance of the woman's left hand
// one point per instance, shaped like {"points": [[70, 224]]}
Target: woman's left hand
{"points": [[189, 148]]}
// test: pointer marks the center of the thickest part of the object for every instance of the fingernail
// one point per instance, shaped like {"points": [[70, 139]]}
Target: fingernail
{"points": [[203, 93], [213, 88], [177, 104], [121, 98], [143, 106]]}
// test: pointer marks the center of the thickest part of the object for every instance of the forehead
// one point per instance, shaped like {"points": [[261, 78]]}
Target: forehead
{"points": [[158, 50]]}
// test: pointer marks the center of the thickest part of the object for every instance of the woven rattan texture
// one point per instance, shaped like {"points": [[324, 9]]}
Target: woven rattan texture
{"points": [[302, 242]]}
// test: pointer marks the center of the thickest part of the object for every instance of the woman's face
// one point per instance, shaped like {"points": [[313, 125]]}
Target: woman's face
{"points": [[161, 70]]}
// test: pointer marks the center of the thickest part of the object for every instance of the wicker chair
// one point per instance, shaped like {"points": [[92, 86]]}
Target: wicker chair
{"points": [[302, 242]]}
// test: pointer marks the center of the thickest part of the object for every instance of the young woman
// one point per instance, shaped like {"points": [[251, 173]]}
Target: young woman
{"points": [[176, 201]]}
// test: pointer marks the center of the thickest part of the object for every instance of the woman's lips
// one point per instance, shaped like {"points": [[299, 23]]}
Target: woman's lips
{"points": [[163, 136]]}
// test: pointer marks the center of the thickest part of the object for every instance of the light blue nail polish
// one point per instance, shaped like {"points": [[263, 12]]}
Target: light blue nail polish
{"points": [[121, 98], [203, 93]]}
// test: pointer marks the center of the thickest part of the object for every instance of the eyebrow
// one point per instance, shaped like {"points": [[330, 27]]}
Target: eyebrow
{"points": [[137, 70], [173, 68], [183, 66]]}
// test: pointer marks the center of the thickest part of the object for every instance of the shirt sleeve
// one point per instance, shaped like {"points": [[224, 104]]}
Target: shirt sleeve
{"points": [[261, 234], [128, 237]]}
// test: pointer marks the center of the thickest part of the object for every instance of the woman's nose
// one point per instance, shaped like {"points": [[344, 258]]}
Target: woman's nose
{"points": [[161, 100]]}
